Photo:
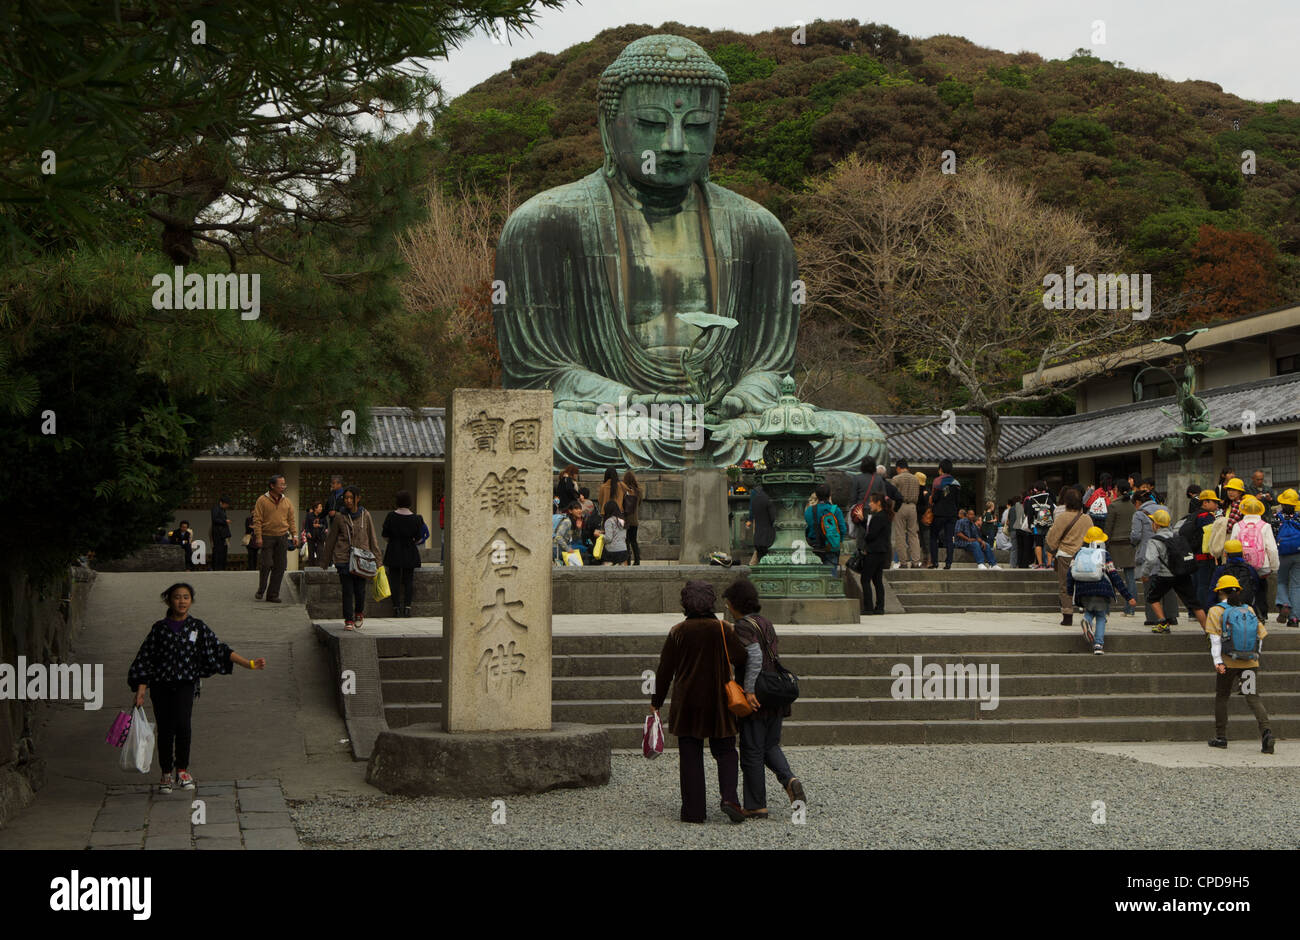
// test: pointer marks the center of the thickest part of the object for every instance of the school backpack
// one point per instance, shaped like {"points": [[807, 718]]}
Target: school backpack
{"points": [[831, 534], [1088, 564], [1042, 513], [1240, 628], [1100, 505], [1252, 543], [1218, 537], [1179, 557], [1189, 529], [1288, 535]]}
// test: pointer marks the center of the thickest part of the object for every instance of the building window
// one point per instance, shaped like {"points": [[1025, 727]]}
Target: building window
{"points": [[1288, 364], [1153, 389]]}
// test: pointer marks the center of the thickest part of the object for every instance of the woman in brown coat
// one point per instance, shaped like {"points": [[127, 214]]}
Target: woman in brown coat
{"points": [[352, 526], [1064, 538], [612, 488], [699, 654]]}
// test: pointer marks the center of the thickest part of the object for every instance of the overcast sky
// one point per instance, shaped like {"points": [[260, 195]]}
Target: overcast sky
{"points": [[1249, 47]]}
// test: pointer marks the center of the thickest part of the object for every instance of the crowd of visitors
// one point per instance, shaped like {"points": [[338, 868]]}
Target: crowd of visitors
{"points": [[602, 531]]}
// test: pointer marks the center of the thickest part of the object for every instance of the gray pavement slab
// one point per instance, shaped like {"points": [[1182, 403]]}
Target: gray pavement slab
{"points": [[221, 844], [217, 831], [268, 803], [265, 821], [101, 840], [271, 839], [168, 842]]}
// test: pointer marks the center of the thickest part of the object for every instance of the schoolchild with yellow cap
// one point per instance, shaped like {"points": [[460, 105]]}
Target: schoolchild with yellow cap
{"points": [[1200, 529], [1233, 493], [1093, 581], [1288, 550], [1258, 547], [1236, 640], [1167, 562]]}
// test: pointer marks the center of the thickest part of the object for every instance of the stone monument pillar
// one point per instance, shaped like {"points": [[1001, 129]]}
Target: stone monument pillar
{"points": [[497, 632], [496, 736]]}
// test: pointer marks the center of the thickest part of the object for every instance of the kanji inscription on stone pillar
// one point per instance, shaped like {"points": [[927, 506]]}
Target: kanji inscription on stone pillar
{"points": [[497, 630]]}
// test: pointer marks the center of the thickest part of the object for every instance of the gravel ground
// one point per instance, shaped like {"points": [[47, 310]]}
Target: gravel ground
{"points": [[1012, 796]]}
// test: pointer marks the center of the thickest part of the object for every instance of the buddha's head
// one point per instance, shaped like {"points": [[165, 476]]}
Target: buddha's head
{"points": [[660, 105]]}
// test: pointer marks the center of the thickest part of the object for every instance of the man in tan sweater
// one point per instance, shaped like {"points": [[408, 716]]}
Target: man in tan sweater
{"points": [[906, 535], [274, 530]]}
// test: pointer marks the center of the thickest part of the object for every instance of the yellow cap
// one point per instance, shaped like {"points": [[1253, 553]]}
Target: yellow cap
{"points": [[1209, 494], [1227, 582], [1095, 534], [1289, 498], [1235, 484], [1252, 506], [1232, 547], [1161, 518]]}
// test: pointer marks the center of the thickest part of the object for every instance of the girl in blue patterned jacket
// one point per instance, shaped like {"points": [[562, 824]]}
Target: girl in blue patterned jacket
{"points": [[1094, 597], [179, 651]]}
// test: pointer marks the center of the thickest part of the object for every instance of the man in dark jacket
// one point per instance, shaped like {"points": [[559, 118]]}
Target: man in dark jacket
{"points": [[220, 533], [945, 495], [762, 516], [872, 479]]}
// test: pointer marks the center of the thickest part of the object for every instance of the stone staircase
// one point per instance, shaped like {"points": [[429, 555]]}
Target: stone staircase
{"points": [[1145, 688], [966, 588]]}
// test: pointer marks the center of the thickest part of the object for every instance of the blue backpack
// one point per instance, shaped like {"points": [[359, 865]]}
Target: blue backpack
{"points": [[1089, 564], [1240, 629], [831, 534], [1288, 535]]}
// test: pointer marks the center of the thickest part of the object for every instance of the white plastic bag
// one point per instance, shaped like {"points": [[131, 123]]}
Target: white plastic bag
{"points": [[652, 742], [137, 753]]}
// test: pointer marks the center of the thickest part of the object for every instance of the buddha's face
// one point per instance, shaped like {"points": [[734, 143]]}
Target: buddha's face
{"points": [[676, 124]]}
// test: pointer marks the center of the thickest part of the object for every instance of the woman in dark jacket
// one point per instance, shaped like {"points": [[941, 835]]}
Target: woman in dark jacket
{"points": [[402, 529], [760, 733], [873, 544], [632, 514], [315, 526], [178, 653], [566, 487], [699, 654]]}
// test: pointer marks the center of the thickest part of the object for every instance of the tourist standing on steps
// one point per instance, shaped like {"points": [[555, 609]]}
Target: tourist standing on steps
{"points": [[632, 514], [352, 526], [699, 655], [873, 545], [273, 532], [179, 652], [1063, 539], [1118, 529], [402, 529], [566, 487], [923, 527], [1039, 507], [314, 528], [615, 529], [824, 527], [906, 535], [1231, 664], [220, 533], [1258, 547], [760, 733], [945, 497], [762, 515]]}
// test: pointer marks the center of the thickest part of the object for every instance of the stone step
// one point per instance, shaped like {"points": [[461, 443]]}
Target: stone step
{"points": [[618, 688], [1184, 638], [1027, 708], [1011, 603], [975, 587], [1243, 733], [989, 608], [1082, 661], [970, 572], [615, 687]]}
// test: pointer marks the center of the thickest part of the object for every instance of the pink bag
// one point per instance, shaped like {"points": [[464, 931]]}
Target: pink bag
{"points": [[120, 729], [1252, 543], [652, 742]]}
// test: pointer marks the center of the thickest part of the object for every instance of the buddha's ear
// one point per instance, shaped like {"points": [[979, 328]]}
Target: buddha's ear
{"points": [[610, 167]]}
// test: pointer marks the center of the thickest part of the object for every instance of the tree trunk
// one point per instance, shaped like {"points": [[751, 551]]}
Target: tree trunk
{"points": [[992, 431]]}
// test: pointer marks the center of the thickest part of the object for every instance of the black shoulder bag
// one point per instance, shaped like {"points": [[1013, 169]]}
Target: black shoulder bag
{"points": [[778, 686]]}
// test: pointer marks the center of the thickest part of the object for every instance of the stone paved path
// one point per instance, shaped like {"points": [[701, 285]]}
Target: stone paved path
{"points": [[224, 814]]}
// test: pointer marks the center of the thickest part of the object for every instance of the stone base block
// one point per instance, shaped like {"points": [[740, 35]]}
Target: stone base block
{"points": [[786, 610], [424, 760]]}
